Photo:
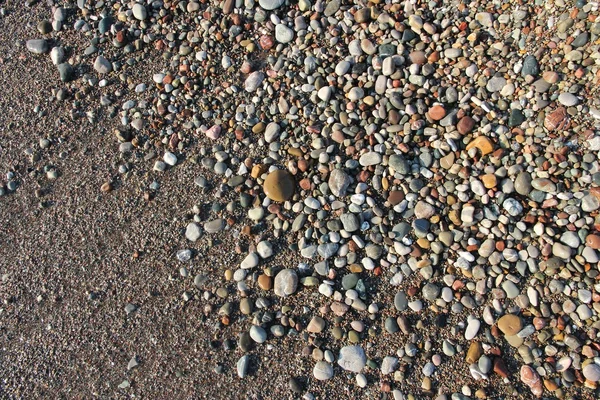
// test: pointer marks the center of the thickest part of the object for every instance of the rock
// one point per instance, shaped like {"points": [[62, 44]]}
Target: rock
{"points": [[170, 158], [424, 210], [66, 72], [532, 380], [590, 203], [352, 358], [523, 184], [214, 226], [286, 282], [437, 112], [242, 366], [213, 132], [530, 66], [271, 4], [37, 46], [485, 19], [472, 328], [568, 99], [279, 185], [264, 249], [399, 164], [350, 222], [139, 12], [228, 6], [316, 325], [510, 324], [192, 232], [465, 125], [253, 81], [338, 182], [370, 158], [322, 371], [474, 352], [283, 34], [591, 372], [102, 65], [258, 334], [57, 55], [332, 7], [556, 119], [250, 261], [482, 143], [389, 365]]}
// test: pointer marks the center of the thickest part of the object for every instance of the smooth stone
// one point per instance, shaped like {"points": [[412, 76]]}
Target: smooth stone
{"points": [[102, 65], [510, 324], [192, 232], [250, 261], [568, 99], [258, 334], [242, 366], [264, 249], [370, 158], [389, 365], [271, 4], [37, 46], [253, 81], [286, 282], [322, 371], [279, 185], [530, 66], [65, 72], [139, 12], [283, 34], [214, 226], [352, 358], [591, 372]]}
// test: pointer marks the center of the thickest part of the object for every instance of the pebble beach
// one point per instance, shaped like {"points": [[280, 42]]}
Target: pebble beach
{"points": [[313, 199]]}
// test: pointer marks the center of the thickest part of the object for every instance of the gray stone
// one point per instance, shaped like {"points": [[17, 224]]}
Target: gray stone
{"points": [[139, 12], [242, 366], [214, 226], [370, 158], [283, 34], [37, 46], [389, 365], [271, 4], [350, 222], [65, 72], [253, 81]]}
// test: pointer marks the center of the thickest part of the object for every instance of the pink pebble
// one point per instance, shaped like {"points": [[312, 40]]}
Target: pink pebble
{"points": [[214, 132]]}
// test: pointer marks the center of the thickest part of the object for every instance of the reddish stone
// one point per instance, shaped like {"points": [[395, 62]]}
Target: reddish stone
{"points": [[556, 119], [593, 241], [437, 112], [500, 367], [395, 197], [532, 379], [465, 125], [266, 42]]}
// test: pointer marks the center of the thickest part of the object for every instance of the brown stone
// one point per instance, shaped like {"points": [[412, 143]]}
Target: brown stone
{"points": [[532, 380], [465, 125], [106, 187], [474, 353], [437, 112], [550, 76], [550, 385], [279, 185], [265, 282], [395, 197], [593, 241], [483, 143], [228, 6], [556, 119], [510, 324]]}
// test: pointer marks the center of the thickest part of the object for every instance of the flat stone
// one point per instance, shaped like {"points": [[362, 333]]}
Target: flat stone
{"points": [[316, 325], [483, 143], [37, 46], [242, 366], [322, 371], [568, 99], [102, 65], [253, 81], [279, 185], [214, 226], [139, 12], [510, 324], [370, 158], [286, 282], [591, 372], [465, 125], [352, 358]]}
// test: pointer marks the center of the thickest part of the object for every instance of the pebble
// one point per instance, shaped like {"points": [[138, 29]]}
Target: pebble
{"points": [[322, 371], [352, 358], [139, 12], [279, 185], [286, 282], [37, 46]]}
